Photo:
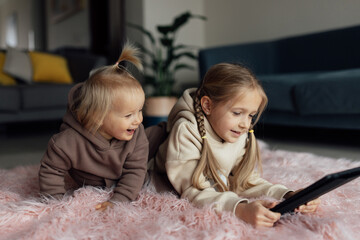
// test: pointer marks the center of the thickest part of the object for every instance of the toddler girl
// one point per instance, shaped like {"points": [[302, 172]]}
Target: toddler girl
{"points": [[101, 140]]}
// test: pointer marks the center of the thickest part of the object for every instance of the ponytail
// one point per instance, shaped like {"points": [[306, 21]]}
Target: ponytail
{"points": [[131, 54], [251, 160]]}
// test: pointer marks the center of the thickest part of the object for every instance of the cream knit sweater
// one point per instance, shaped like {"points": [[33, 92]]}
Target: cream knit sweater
{"points": [[178, 156]]}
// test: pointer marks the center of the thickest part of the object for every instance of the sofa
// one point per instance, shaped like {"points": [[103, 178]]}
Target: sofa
{"points": [[38, 91], [311, 80]]}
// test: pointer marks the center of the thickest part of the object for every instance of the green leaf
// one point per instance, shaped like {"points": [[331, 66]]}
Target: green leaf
{"points": [[166, 42], [164, 29], [199, 17], [149, 79], [183, 66], [185, 54], [180, 46], [184, 18], [180, 21]]}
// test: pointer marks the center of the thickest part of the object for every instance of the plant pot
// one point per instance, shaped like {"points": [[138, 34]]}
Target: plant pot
{"points": [[157, 109]]}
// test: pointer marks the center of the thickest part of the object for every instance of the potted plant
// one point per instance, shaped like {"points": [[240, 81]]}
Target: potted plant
{"points": [[161, 62]]}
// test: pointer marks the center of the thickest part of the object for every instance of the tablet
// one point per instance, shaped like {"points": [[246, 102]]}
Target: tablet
{"points": [[315, 190]]}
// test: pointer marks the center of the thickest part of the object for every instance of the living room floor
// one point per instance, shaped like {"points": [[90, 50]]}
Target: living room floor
{"points": [[25, 144]]}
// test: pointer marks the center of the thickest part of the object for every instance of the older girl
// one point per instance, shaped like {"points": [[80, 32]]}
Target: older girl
{"points": [[211, 154]]}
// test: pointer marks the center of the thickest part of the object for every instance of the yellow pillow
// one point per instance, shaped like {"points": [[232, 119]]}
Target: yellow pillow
{"points": [[5, 79], [49, 68]]}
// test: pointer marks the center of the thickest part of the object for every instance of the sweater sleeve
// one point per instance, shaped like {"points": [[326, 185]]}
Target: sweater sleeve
{"points": [[54, 166], [264, 188], [134, 171], [183, 154]]}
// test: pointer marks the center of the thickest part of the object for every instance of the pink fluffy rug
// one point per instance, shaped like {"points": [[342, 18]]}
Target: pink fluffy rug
{"points": [[163, 216]]}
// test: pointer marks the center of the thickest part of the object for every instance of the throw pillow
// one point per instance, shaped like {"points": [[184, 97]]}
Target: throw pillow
{"points": [[49, 68], [17, 64], [4, 78]]}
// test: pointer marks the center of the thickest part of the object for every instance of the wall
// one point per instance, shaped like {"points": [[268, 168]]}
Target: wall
{"points": [[24, 20], [134, 14], [240, 21], [72, 31], [234, 21]]}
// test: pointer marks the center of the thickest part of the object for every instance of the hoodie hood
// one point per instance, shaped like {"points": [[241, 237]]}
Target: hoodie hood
{"points": [[184, 109]]}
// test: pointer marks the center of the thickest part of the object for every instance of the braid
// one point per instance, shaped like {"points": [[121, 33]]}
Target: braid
{"points": [[208, 166], [199, 114]]}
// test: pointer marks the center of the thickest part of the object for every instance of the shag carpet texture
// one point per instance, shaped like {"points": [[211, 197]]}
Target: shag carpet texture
{"points": [[24, 215]]}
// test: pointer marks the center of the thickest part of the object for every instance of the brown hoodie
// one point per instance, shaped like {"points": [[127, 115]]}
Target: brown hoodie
{"points": [[90, 159]]}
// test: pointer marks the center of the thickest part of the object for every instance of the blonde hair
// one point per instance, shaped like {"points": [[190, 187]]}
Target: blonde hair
{"points": [[96, 96], [222, 83]]}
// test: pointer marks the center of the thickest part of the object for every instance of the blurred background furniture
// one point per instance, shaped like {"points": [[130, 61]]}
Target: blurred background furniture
{"points": [[29, 100]]}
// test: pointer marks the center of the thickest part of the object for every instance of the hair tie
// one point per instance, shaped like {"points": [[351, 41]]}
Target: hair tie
{"points": [[203, 137], [120, 66], [251, 131]]}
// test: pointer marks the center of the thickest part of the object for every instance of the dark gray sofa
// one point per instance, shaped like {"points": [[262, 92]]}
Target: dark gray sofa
{"points": [[311, 80], [45, 101]]}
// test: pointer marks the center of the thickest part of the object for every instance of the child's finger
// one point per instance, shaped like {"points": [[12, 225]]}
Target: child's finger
{"points": [[103, 206], [268, 204], [314, 202], [312, 205], [272, 216], [107, 204], [307, 208], [100, 206]]}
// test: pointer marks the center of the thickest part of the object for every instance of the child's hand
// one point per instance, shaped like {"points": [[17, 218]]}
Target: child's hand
{"points": [[103, 206], [308, 207], [257, 213]]}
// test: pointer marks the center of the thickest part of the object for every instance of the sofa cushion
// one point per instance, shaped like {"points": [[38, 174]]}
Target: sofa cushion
{"points": [[5, 79], [37, 96], [18, 64], [280, 87], [49, 68], [334, 92], [9, 99]]}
